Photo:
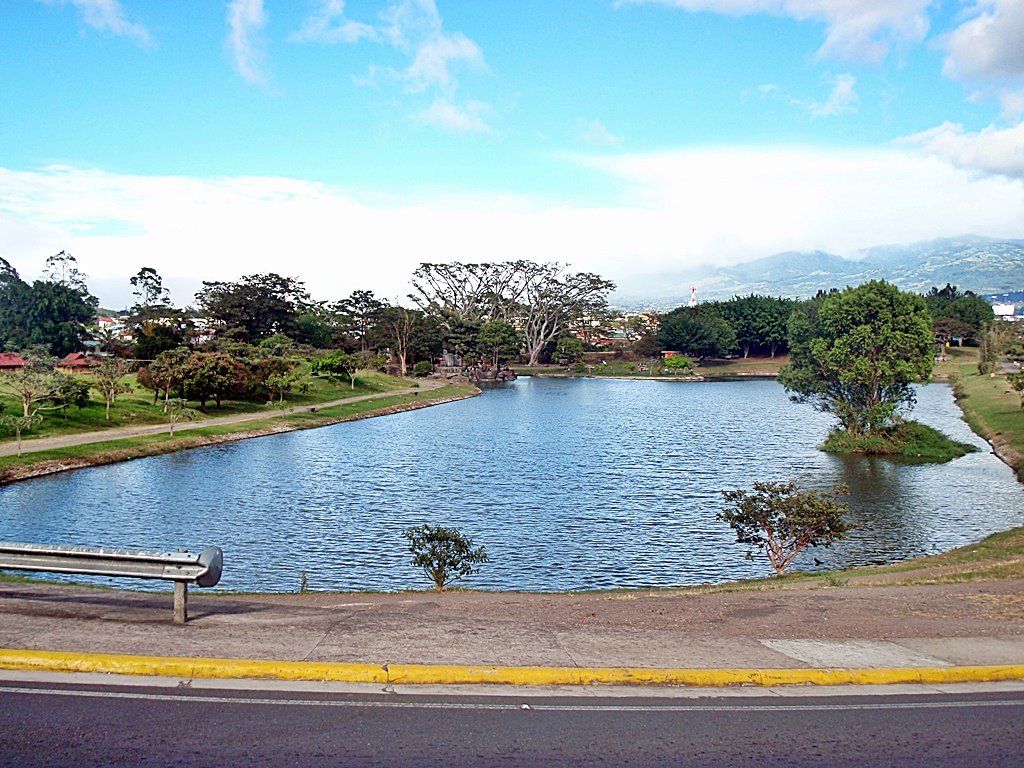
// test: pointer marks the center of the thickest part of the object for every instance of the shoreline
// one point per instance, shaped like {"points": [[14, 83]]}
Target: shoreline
{"points": [[1001, 449], [114, 454]]}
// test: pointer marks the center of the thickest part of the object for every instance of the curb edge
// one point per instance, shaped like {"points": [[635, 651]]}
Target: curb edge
{"points": [[439, 674]]}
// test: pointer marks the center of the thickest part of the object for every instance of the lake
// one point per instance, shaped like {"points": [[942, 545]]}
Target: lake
{"points": [[570, 484]]}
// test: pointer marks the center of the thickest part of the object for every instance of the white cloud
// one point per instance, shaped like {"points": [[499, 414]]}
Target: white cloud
{"points": [[415, 29], [431, 67], [841, 101], [1012, 104], [108, 16], [992, 150], [451, 117], [327, 24], [681, 209], [989, 45], [857, 29], [595, 133], [245, 19]]}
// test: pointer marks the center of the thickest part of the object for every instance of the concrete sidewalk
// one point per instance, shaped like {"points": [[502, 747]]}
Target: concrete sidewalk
{"points": [[778, 630]]}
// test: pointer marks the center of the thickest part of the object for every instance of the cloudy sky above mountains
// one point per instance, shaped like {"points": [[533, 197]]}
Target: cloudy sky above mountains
{"points": [[345, 142]]}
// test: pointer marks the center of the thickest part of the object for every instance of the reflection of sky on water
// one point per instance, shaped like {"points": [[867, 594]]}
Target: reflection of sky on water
{"points": [[569, 484]]}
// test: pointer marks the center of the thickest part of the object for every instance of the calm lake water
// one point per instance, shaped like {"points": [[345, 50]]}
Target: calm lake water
{"points": [[570, 484]]}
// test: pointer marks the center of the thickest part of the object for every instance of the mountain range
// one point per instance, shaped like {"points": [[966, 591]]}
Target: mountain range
{"points": [[984, 265]]}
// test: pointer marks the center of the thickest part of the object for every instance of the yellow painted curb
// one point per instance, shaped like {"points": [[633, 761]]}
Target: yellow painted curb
{"points": [[436, 674]]}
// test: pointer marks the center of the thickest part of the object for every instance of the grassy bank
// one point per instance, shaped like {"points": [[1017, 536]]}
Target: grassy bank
{"points": [[999, 556], [138, 408], [14, 468], [909, 442], [993, 411]]}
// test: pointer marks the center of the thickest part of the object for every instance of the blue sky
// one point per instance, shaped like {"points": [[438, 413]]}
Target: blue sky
{"points": [[345, 142]]}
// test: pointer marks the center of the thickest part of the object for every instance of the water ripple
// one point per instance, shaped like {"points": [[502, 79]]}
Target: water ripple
{"points": [[569, 484]]}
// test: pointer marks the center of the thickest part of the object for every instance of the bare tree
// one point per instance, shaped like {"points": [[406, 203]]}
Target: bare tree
{"points": [[108, 380], [399, 324], [539, 299], [553, 301]]}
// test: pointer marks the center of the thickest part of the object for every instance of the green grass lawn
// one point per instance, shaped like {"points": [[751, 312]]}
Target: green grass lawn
{"points": [[149, 445], [993, 411], [137, 407]]}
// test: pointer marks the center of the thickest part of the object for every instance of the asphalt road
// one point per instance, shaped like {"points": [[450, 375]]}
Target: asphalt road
{"points": [[55, 724]]}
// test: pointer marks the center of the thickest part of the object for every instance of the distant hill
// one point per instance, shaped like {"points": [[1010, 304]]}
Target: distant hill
{"points": [[984, 265]]}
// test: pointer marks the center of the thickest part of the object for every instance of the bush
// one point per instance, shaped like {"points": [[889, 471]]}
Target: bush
{"points": [[422, 368], [444, 554], [783, 520]]}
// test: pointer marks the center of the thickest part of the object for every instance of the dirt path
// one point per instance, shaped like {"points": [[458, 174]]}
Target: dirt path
{"points": [[66, 441]]}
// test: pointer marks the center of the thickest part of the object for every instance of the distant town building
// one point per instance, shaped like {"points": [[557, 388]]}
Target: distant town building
{"points": [[1004, 311]]}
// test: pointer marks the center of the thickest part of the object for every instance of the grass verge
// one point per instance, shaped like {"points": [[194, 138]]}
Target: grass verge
{"points": [[993, 411]]}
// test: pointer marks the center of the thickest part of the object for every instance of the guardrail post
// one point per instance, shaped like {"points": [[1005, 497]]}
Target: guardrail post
{"points": [[180, 602]]}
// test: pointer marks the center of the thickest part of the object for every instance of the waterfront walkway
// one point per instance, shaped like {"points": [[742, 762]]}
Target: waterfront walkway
{"points": [[32, 445], [800, 634]]}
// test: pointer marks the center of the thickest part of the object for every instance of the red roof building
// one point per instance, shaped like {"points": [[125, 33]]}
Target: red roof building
{"points": [[74, 361], [11, 361]]}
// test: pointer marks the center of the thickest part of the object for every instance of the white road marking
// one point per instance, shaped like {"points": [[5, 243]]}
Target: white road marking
{"points": [[533, 707]]}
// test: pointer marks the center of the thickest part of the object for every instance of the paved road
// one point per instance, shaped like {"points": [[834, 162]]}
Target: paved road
{"points": [[62, 724], [65, 441]]}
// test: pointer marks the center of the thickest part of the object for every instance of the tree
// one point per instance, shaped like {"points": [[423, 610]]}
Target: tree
{"points": [[1016, 381], [33, 384], [256, 306], [164, 374], [470, 292], [568, 350], [856, 354], [695, 331], [961, 306], [540, 299], [782, 520], [36, 388], [498, 340], [315, 327], [19, 424], [177, 410], [678, 364], [149, 289], [70, 390], [58, 317], [647, 345], [444, 554], [359, 316], [212, 374], [553, 301], [337, 364], [946, 329], [397, 327], [157, 326], [281, 384], [62, 269], [108, 380], [53, 314]]}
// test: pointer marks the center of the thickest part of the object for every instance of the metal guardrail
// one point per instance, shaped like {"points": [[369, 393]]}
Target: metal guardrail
{"points": [[182, 567]]}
